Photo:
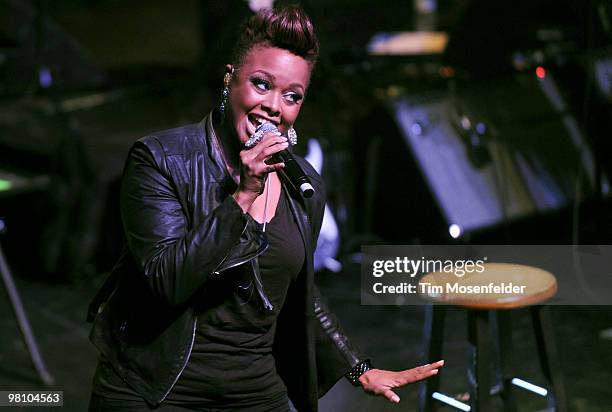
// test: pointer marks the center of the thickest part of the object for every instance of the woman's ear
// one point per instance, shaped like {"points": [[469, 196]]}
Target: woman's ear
{"points": [[227, 78]]}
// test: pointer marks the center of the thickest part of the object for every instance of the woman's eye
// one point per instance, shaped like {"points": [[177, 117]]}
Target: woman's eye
{"points": [[261, 84], [293, 97]]}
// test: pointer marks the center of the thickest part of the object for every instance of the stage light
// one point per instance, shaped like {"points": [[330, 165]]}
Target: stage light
{"points": [[529, 386], [416, 129], [454, 230], [451, 402], [540, 72], [5, 185], [45, 79]]}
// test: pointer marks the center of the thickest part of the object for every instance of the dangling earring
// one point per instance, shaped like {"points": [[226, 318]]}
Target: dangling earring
{"points": [[292, 136], [225, 92]]}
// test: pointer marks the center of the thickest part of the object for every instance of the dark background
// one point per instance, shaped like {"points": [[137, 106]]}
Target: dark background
{"points": [[122, 69]]}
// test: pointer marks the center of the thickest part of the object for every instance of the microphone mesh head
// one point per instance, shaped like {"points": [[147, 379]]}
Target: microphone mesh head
{"points": [[266, 128], [259, 132]]}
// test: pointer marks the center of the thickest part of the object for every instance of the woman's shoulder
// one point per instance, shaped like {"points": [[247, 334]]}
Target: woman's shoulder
{"points": [[175, 141]]}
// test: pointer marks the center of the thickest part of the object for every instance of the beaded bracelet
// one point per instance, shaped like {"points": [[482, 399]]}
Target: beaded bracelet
{"points": [[358, 370]]}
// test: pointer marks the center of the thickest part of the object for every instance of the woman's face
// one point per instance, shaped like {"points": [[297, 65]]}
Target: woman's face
{"points": [[269, 86]]}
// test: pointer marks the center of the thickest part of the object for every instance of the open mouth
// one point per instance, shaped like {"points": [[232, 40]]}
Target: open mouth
{"points": [[256, 121]]}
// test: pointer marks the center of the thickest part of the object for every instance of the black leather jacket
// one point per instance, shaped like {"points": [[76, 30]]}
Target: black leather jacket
{"points": [[183, 229]]}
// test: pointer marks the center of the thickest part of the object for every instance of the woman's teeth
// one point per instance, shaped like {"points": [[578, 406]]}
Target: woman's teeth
{"points": [[258, 122]]}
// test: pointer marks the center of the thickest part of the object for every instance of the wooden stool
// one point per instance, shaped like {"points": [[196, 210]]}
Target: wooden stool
{"points": [[483, 306]]}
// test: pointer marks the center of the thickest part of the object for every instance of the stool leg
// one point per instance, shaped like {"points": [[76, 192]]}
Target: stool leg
{"points": [[548, 355], [506, 359], [480, 363], [22, 321], [433, 340]]}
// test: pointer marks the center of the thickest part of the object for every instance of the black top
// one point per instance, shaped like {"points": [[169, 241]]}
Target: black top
{"points": [[231, 363]]}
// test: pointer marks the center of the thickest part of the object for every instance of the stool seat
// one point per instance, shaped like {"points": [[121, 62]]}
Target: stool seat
{"points": [[498, 286]]}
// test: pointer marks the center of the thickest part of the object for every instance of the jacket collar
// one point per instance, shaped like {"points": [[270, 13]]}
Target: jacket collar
{"points": [[219, 169]]}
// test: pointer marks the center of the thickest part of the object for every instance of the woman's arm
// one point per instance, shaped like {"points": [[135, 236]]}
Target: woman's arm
{"points": [[175, 260], [335, 353]]}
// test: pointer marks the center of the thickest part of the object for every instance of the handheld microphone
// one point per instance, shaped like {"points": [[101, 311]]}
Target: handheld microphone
{"points": [[292, 170]]}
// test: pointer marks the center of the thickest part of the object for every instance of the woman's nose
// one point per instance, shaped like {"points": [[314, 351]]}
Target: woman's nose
{"points": [[271, 104]]}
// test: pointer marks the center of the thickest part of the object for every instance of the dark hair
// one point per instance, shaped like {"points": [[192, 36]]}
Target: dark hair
{"points": [[287, 28]]}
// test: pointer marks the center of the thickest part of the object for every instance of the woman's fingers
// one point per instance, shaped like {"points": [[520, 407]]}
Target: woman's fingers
{"points": [[268, 146], [421, 372], [275, 167], [264, 150], [269, 139], [435, 365], [254, 167], [267, 152], [392, 396], [271, 144], [381, 382]]}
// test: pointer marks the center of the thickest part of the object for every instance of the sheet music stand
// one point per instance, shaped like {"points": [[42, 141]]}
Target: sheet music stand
{"points": [[10, 185]]}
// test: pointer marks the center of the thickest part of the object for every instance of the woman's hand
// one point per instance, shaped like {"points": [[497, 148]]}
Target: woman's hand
{"points": [[254, 169], [380, 382]]}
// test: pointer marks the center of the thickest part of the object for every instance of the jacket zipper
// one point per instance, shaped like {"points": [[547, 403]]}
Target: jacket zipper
{"points": [[228, 253], [258, 282], [178, 375], [240, 262], [259, 285]]}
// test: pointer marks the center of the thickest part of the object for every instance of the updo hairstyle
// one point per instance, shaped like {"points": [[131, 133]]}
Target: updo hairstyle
{"points": [[287, 28]]}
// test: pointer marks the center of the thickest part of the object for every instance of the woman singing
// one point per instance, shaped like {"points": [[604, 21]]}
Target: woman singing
{"points": [[213, 305]]}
